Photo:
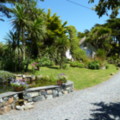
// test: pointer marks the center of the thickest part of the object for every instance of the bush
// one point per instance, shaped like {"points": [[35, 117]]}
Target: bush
{"points": [[6, 76], [45, 61], [65, 66], [101, 54], [77, 64], [79, 54], [107, 66], [94, 65], [114, 60]]}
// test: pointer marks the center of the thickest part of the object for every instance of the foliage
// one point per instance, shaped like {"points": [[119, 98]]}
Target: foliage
{"points": [[114, 60], [19, 83], [62, 78], [77, 64], [65, 66], [77, 53], [45, 61], [104, 6], [101, 38], [101, 54], [6, 76], [80, 54], [94, 65]]}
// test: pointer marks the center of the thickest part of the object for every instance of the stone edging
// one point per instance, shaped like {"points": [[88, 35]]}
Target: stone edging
{"points": [[8, 100]]}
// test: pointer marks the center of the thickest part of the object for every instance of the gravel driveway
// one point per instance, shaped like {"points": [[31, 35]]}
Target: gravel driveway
{"points": [[101, 102]]}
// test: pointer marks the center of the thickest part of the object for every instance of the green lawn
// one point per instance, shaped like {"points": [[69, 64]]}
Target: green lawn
{"points": [[81, 77]]}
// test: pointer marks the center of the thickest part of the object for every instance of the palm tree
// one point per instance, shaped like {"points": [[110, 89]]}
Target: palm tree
{"points": [[19, 22]]}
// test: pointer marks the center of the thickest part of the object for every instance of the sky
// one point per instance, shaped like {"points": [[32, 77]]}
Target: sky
{"points": [[81, 17]]}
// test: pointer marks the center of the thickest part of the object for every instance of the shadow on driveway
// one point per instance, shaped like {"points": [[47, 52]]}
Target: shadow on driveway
{"points": [[105, 111]]}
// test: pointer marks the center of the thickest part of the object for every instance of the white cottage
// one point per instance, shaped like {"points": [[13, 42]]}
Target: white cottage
{"points": [[87, 47]]}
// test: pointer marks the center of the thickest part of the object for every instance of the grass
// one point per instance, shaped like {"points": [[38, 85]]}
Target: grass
{"points": [[81, 77]]}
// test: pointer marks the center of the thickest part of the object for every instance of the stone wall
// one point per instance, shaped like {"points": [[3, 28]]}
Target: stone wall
{"points": [[8, 100]]}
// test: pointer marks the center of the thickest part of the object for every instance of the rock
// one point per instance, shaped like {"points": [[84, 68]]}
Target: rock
{"points": [[111, 116], [5, 109], [49, 96], [43, 92], [58, 89], [5, 103], [19, 107], [29, 100], [1, 104], [69, 89], [1, 110], [38, 98], [10, 100], [103, 67], [65, 92], [28, 106], [55, 93], [24, 76], [33, 94], [60, 94], [1, 100], [13, 106], [30, 103], [5, 99], [49, 92], [15, 97], [39, 77], [26, 96], [33, 78]]}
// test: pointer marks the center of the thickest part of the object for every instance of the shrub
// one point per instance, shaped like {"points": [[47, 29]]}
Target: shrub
{"points": [[107, 66], [62, 77], [79, 54], [114, 60], [101, 54], [65, 66], [45, 61], [6, 76], [94, 65], [77, 64]]}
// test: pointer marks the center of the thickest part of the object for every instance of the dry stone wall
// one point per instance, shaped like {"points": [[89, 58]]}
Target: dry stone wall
{"points": [[8, 100]]}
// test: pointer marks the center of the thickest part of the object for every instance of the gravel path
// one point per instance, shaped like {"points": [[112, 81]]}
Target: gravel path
{"points": [[101, 102]]}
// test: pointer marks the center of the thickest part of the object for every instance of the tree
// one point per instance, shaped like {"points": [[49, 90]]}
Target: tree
{"points": [[114, 25], [105, 6], [100, 37], [76, 51], [4, 9], [19, 21], [56, 40], [36, 33]]}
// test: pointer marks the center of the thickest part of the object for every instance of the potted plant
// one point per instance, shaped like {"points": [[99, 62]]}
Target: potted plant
{"points": [[62, 79], [19, 85]]}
